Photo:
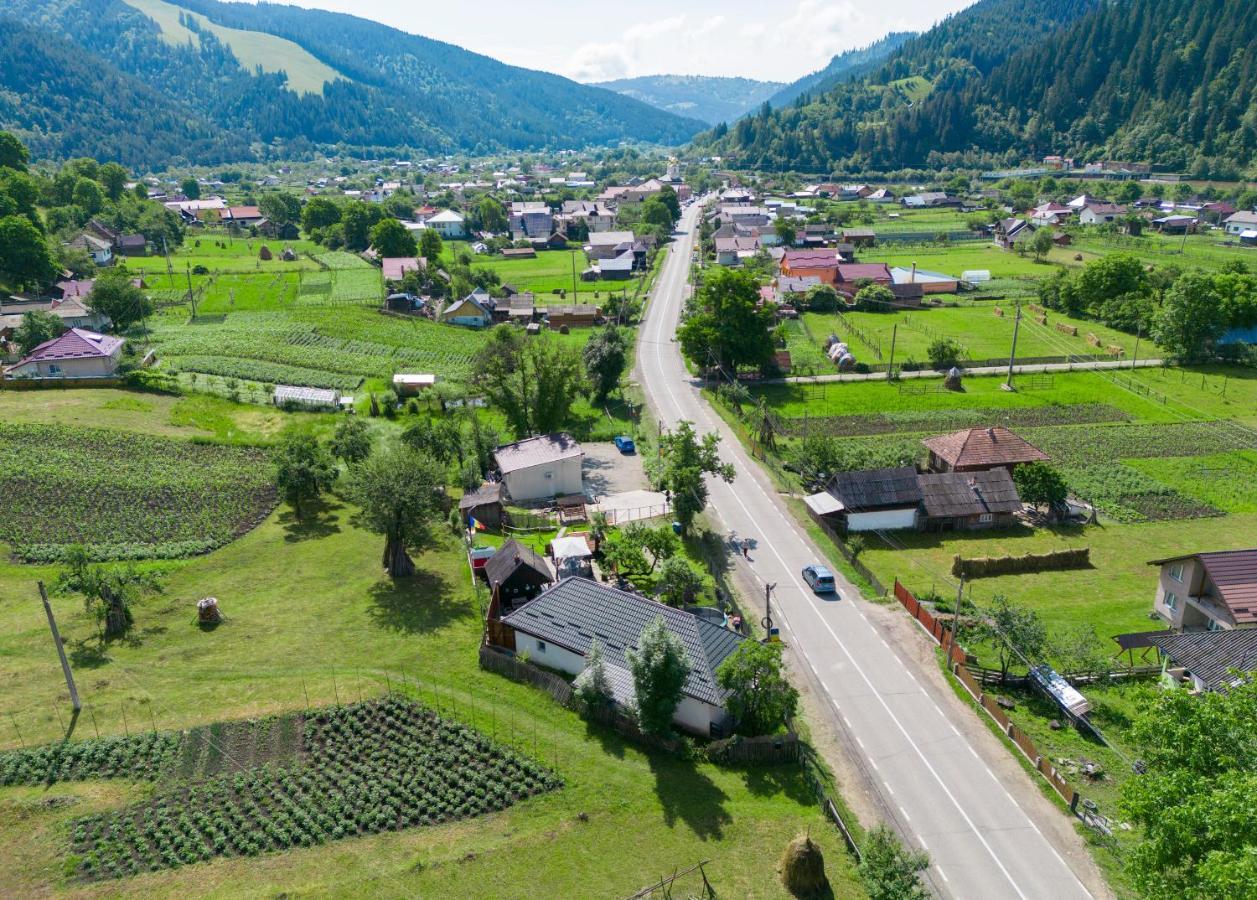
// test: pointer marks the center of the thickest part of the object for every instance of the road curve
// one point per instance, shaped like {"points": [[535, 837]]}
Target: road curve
{"points": [[981, 842]]}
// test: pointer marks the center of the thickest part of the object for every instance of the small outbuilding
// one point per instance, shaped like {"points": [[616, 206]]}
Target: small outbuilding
{"points": [[412, 384], [541, 468], [573, 557], [484, 504], [869, 500], [305, 397], [516, 574]]}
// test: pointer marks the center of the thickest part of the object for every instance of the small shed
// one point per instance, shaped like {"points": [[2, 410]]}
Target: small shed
{"points": [[484, 504], [306, 397], [516, 574], [412, 384], [541, 468], [573, 557]]}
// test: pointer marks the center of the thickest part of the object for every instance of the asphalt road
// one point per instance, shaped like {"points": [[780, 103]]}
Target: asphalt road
{"points": [[945, 798]]}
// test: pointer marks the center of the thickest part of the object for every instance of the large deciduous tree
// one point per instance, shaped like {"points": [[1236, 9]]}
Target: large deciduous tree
{"points": [[25, 258], [1040, 485], [352, 441], [13, 153], [605, 357], [730, 329], [1191, 317], [684, 461], [431, 245], [35, 328], [280, 207], [318, 214], [399, 491], [534, 381], [492, 215], [761, 699], [115, 297], [659, 667], [389, 237], [303, 470]]}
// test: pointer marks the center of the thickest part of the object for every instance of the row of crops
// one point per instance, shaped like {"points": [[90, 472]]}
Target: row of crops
{"points": [[381, 765], [125, 495], [944, 420], [341, 286]]}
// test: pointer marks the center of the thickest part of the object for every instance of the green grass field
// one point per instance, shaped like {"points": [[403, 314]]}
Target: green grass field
{"points": [[548, 273], [309, 619]]}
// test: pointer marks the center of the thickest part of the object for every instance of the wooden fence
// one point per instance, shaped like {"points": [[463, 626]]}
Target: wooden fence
{"points": [[517, 670], [957, 663], [864, 571]]}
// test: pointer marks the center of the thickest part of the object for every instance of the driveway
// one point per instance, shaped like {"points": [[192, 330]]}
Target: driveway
{"points": [[608, 471]]}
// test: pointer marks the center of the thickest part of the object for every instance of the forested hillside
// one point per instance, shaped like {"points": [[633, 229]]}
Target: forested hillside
{"points": [[1170, 82], [845, 65], [398, 90], [701, 97]]}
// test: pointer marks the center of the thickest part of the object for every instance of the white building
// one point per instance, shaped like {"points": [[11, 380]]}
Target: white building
{"points": [[541, 468], [448, 224]]}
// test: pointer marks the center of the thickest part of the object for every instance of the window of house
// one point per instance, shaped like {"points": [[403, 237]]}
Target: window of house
{"points": [[54, 369], [985, 518], [1213, 625], [541, 646], [1171, 600], [1176, 571]]}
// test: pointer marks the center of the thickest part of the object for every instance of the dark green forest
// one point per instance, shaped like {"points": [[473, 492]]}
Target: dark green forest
{"points": [[99, 67], [844, 66], [1170, 82]]}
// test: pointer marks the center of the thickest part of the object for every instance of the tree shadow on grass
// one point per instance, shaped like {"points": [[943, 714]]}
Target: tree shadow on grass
{"points": [[775, 780], [423, 602], [88, 653], [318, 520], [611, 740], [689, 795]]}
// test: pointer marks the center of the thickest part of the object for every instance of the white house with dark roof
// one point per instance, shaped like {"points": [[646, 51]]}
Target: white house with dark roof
{"points": [[76, 354], [541, 468], [557, 628], [1210, 591], [1241, 221]]}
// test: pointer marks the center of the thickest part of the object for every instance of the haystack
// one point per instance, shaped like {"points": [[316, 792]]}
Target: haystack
{"points": [[803, 868], [265, 253]]}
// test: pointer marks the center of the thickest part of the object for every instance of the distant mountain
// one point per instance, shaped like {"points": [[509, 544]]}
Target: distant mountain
{"points": [[701, 97], [845, 65], [1169, 82], [230, 81]]}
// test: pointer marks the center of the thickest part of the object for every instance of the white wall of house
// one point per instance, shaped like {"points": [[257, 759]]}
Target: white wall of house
{"points": [[545, 481], [88, 367], [882, 519]]}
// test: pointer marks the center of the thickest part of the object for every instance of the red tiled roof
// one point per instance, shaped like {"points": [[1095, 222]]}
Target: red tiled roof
{"points": [[983, 447], [77, 343], [811, 259], [396, 266], [243, 212], [872, 271]]}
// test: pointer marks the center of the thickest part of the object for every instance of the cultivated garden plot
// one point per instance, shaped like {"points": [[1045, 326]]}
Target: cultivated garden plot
{"points": [[380, 765], [124, 495]]}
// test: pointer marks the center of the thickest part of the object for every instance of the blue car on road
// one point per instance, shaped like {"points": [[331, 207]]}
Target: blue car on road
{"points": [[819, 579], [625, 444]]}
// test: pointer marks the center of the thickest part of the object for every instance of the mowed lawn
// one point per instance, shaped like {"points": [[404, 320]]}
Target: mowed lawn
{"points": [[548, 274], [310, 618]]}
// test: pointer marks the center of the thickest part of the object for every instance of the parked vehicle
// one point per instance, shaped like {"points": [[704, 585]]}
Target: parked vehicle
{"points": [[820, 579], [625, 444]]}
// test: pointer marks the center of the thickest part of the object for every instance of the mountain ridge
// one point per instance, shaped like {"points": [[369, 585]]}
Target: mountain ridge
{"points": [[708, 98]]}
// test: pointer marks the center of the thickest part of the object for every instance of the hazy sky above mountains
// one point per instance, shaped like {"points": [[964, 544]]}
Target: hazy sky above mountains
{"points": [[589, 41]]}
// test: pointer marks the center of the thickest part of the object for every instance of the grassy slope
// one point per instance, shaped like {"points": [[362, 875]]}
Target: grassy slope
{"points": [[308, 613], [306, 74]]}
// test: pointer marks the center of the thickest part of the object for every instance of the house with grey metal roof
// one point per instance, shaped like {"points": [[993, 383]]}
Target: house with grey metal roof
{"points": [[869, 500], [557, 628], [542, 467]]}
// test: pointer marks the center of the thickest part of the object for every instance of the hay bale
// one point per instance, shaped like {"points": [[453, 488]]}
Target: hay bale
{"points": [[803, 868]]}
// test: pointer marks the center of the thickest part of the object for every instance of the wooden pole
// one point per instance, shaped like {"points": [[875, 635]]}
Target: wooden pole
{"points": [[56, 639], [1012, 356]]}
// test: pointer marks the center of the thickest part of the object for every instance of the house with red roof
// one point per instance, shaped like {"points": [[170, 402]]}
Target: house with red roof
{"points": [[244, 216], [850, 275], [76, 354], [1210, 591], [980, 449], [396, 267]]}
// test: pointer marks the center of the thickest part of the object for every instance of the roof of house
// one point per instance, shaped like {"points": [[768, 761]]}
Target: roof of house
{"points": [[77, 343], [446, 215], [394, 267], [1234, 575], [576, 611], [612, 238], [570, 309], [1106, 209], [736, 244], [89, 242], [242, 212], [78, 287], [487, 493], [537, 451], [511, 556], [812, 259], [858, 233], [1243, 217], [904, 275], [995, 446], [856, 271], [869, 489], [969, 493], [797, 284], [473, 301], [1210, 655]]}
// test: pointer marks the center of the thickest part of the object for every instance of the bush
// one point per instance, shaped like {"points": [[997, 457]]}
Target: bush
{"points": [[945, 353]]}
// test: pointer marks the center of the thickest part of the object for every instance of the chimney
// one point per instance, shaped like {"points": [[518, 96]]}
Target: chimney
{"points": [[990, 432], [913, 280]]}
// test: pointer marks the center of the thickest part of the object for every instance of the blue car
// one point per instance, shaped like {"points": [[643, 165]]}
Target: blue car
{"points": [[625, 444], [819, 579]]}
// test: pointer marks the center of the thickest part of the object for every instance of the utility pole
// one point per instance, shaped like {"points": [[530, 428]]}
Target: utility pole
{"points": [[960, 599], [768, 612], [573, 258], [191, 295], [890, 370], [56, 639], [1138, 334], [1012, 356]]}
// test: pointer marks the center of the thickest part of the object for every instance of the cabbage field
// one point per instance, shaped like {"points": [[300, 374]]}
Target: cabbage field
{"points": [[125, 495]]}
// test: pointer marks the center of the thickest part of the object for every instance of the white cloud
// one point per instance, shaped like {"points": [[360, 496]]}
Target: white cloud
{"points": [[598, 62], [710, 25]]}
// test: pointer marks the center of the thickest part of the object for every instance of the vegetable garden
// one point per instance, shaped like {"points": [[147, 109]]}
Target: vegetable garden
{"points": [[125, 495], [379, 765]]}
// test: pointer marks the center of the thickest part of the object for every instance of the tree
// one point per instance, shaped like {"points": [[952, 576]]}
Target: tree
{"points": [[430, 245], [605, 357], [318, 214], [280, 207], [593, 686], [389, 237], [1016, 631], [731, 329], [400, 491], [1108, 278], [352, 442], [191, 188], [684, 461], [113, 178], [944, 353], [822, 298], [1191, 317], [655, 212], [1041, 244], [1194, 800], [761, 699], [303, 470], [35, 328], [13, 153], [492, 215], [668, 197], [785, 232], [25, 258], [888, 870], [117, 299], [875, 298], [441, 439], [534, 381], [1040, 485], [356, 221], [107, 592], [679, 583], [661, 543], [659, 667]]}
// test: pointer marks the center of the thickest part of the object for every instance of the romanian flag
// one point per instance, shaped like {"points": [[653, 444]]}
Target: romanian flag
{"points": [[475, 523]]}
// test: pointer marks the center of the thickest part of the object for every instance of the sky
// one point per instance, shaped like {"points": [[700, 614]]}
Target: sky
{"points": [[591, 41]]}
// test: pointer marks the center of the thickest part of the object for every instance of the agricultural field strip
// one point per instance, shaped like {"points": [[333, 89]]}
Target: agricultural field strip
{"points": [[953, 419], [126, 494], [368, 767]]}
